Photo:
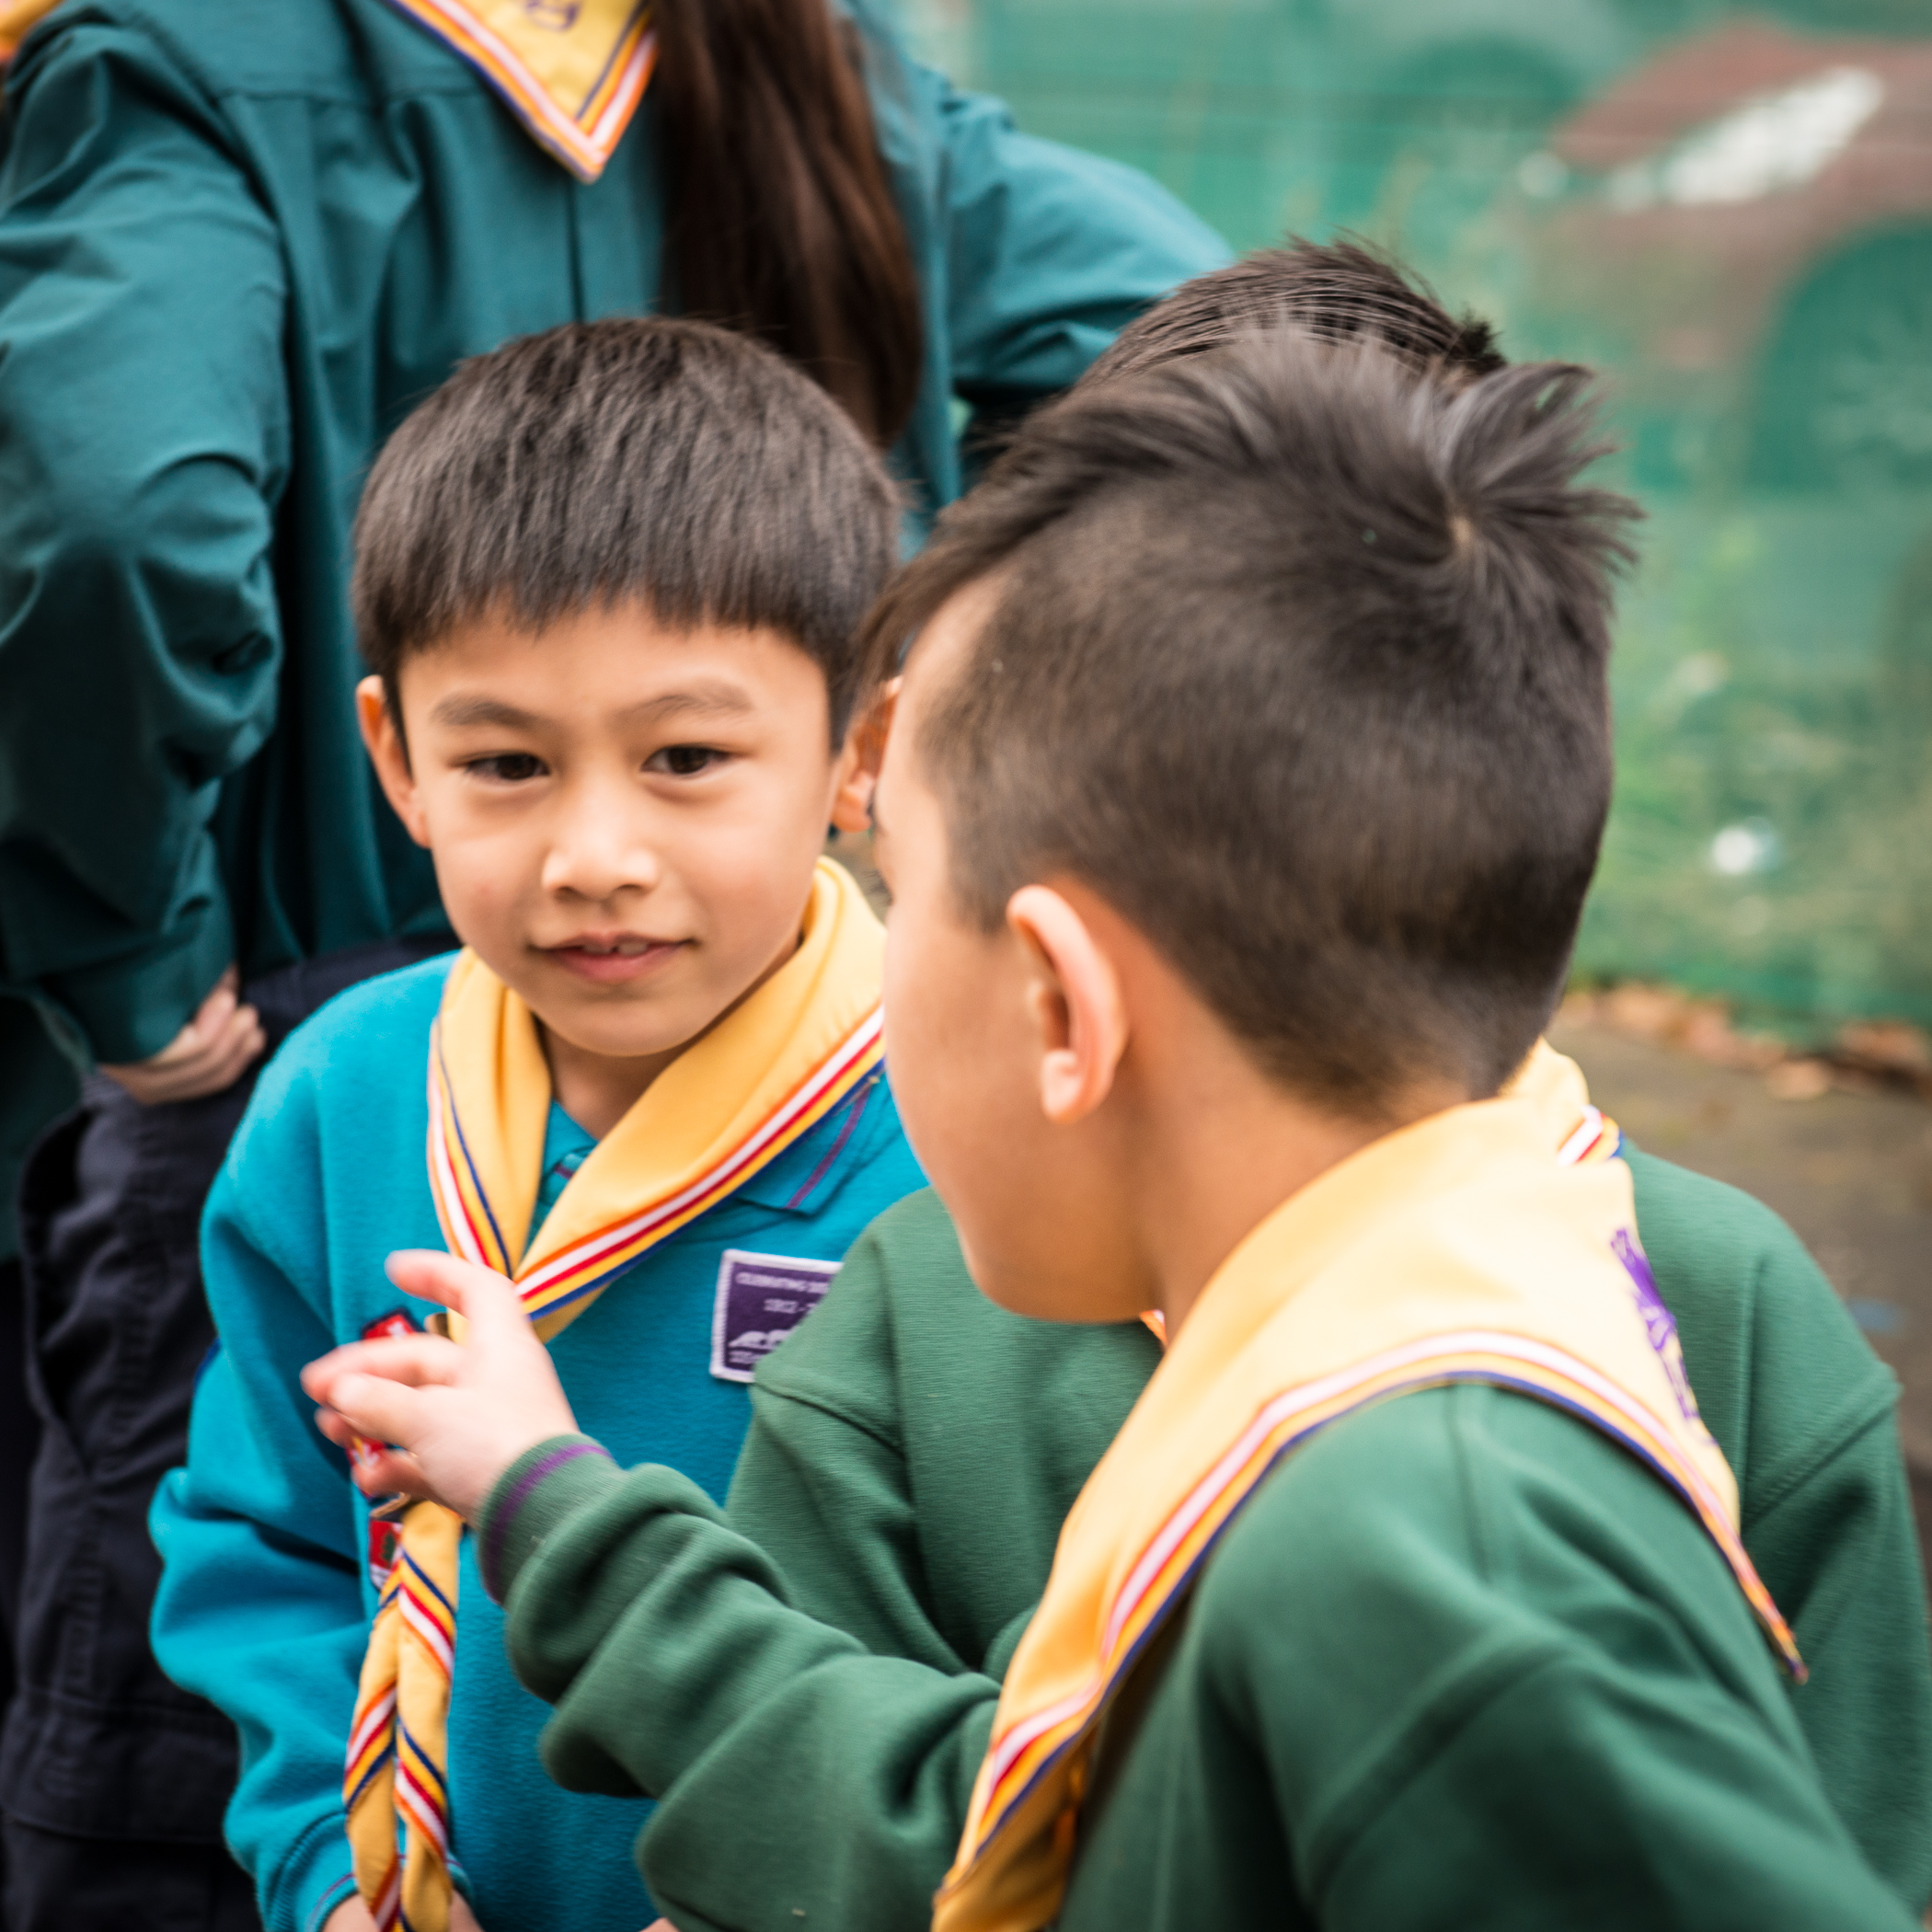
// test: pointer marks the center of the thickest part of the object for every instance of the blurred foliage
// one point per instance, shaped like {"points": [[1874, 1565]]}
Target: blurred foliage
{"points": [[1730, 214]]}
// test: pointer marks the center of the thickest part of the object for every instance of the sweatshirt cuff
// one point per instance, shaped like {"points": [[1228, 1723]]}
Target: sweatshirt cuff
{"points": [[129, 1008], [318, 1877], [541, 1488]]}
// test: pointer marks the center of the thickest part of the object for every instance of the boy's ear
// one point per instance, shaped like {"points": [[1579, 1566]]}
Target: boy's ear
{"points": [[382, 738], [860, 758], [1072, 996]]}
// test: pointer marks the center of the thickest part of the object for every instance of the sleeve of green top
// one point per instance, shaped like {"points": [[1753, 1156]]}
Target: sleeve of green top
{"points": [[1806, 1411], [677, 1668], [1051, 253], [1847, 1529], [143, 428], [1832, 1535]]}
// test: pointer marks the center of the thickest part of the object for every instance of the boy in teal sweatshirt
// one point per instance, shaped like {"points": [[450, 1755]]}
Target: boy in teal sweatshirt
{"points": [[610, 581], [1411, 1592]]}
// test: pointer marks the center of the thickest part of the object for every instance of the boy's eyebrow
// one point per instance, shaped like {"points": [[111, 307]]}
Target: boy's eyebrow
{"points": [[475, 709], [707, 694]]}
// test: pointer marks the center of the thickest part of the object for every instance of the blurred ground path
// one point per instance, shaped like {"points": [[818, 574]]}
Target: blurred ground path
{"points": [[1852, 1172]]}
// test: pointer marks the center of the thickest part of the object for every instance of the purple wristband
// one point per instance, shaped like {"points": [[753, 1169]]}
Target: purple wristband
{"points": [[503, 1518]]}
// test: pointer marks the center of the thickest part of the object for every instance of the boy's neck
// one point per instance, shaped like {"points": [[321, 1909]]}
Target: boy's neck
{"points": [[1227, 1147], [598, 1089]]}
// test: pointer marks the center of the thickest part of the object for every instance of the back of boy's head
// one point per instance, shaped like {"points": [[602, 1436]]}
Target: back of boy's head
{"points": [[1337, 292], [681, 465], [1298, 662]]}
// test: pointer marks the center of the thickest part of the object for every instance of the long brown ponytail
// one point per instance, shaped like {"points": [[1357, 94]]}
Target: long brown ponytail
{"points": [[784, 224]]}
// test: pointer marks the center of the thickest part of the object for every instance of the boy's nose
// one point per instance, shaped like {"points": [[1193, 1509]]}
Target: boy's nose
{"points": [[598, 852]]}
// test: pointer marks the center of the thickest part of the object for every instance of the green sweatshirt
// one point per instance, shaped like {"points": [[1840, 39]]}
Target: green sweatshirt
{"points": [[1463, 1663], [913, 1452]]}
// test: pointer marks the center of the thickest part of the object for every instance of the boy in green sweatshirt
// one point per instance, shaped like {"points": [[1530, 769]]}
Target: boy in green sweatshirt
{"points": [[1411, 1592], [915, 1449]]}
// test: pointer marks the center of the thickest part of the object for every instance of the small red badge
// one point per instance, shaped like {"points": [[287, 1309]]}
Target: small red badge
{"points": [[385, 1531], [385, 1535]]}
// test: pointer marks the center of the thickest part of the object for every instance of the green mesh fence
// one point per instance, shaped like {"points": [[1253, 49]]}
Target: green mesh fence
{"points": [[1731, 214]]}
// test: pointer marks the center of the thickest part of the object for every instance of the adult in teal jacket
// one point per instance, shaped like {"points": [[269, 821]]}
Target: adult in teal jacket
{"points": [[237, 244]]}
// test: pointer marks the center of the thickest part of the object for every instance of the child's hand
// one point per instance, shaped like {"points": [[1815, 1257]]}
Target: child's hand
{"points": [[458, 1415]]}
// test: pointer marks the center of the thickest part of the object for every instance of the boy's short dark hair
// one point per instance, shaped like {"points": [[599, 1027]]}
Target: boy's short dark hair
{"points": [[671, 462], [1336, 292], [1298, 661]]}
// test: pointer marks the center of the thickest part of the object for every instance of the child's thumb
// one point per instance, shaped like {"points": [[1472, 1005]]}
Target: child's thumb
{"points": [[486, 1300]]}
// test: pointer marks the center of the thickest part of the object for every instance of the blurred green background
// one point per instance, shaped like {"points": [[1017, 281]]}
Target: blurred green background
{"points": [[1730, 214]]}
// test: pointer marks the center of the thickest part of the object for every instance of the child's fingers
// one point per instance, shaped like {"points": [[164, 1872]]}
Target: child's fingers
{"points": [[337, 1427], [486, 1300], [377, 1409], [374, 1467], [389, 1472], [414, 1361]]}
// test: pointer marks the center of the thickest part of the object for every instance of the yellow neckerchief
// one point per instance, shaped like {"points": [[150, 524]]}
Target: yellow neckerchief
{"points": [[1554, 1086], [732, 1101], [1452, 1250], [571, 71]]}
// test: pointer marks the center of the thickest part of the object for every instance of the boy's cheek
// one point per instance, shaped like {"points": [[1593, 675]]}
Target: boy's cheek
{"points": [[1035, 1205], [967, 1107], [481, 879]]}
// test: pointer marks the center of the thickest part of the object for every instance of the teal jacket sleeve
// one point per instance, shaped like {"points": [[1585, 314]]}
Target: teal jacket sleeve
{"points": [[1050, 252], [144, 431], [677, 1668], [261, 1607]]}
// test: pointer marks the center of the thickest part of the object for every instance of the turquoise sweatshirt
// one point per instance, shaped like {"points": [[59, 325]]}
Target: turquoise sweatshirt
{"points": [[266, 1599]]}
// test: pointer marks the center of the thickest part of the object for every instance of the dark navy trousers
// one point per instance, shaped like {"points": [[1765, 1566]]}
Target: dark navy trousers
{"points": [[112, 1781]]}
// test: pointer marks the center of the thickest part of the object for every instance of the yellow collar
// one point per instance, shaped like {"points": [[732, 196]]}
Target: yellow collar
{"points": [[571, 71]]}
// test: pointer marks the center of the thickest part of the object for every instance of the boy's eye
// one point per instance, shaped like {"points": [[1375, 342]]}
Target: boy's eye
{"points": [[508, 768], [683, 761]]}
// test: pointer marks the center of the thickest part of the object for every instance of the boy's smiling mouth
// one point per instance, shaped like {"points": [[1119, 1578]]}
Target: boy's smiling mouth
{"points": [[610, 959]]}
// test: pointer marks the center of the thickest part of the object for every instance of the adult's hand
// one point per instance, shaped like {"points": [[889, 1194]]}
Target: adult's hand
{"points": [[211, 1052]]}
